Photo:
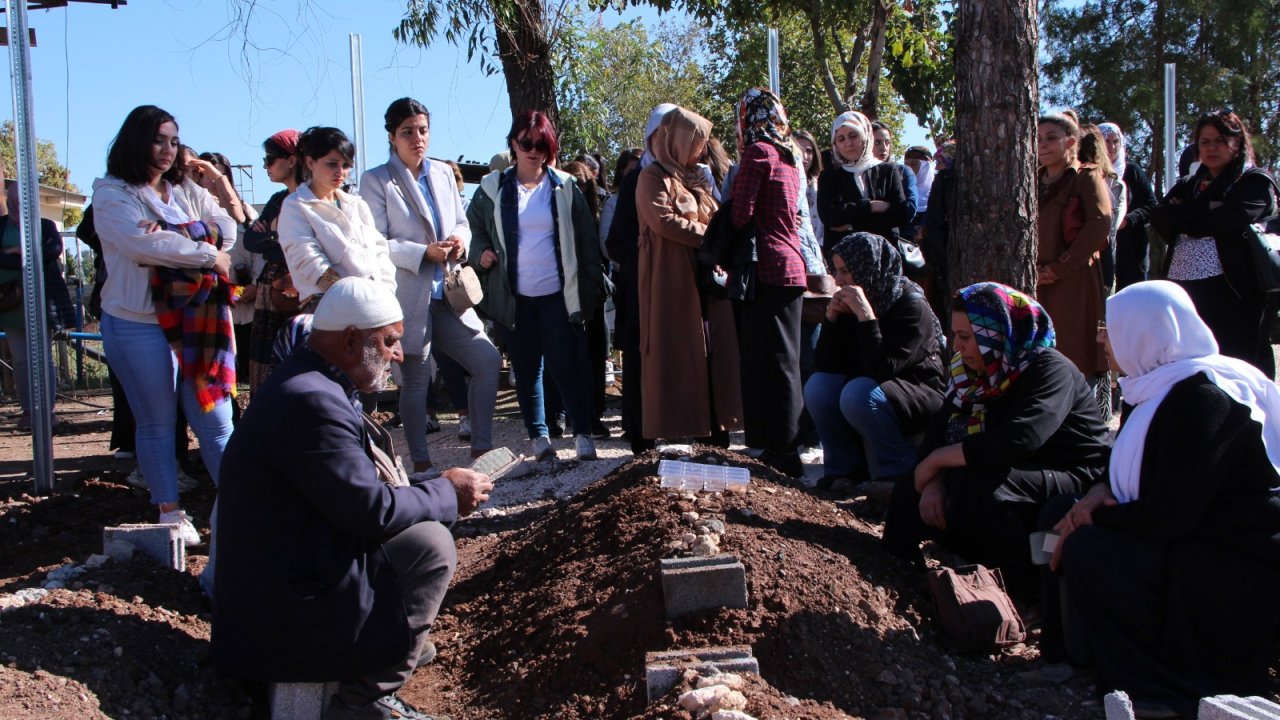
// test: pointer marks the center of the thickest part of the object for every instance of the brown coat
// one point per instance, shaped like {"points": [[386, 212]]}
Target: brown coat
{"points": [[680, 368], [1075, 299]]}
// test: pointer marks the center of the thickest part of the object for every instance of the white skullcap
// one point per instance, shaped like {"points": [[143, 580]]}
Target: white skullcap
{"points": [[357, 302]]}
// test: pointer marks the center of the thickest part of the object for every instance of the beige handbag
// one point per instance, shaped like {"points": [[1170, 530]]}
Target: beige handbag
{"points": [[462, 289]]}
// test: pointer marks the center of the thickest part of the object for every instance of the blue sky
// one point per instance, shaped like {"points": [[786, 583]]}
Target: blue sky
{"points": [[230, 89]]}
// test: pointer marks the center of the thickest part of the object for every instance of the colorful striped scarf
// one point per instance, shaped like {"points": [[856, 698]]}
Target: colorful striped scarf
{"points": [[193, 306], [1011, 329]]}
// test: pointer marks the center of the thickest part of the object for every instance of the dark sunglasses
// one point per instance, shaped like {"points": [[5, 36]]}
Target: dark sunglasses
{"points": [[268, 159], [528, 145]]}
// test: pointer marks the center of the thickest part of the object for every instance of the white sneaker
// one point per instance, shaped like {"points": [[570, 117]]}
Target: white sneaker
{"points": [[540, 449], [124, 455], [464, 427], [586, 447], [187, 531]]}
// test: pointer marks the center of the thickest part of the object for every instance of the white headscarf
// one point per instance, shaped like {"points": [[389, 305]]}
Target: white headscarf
{"points": [[862, 126], [924, 185], [655, 119], [1158, 340], [1109, 129]]}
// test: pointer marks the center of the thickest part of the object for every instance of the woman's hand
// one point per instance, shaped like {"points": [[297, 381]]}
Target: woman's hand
{"points": [[222, 265], [148, 226], [203, 172], [458, 249], [1046, 276], [855, 300], [879, 206], [488, 259], [437, 253], [841, 228], [1079, 515], [933, 505]]}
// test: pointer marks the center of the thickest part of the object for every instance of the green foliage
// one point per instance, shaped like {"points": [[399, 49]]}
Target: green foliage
{"points": [[920, 58], [51, 172], [609, 79], [1104, 58], [465, 23]]}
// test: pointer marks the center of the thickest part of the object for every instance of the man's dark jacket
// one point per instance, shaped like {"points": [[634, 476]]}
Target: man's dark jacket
{"points": [[304, 591]]}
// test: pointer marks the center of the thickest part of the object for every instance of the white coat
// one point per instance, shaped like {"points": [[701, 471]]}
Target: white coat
{"points": [[317, 235]]}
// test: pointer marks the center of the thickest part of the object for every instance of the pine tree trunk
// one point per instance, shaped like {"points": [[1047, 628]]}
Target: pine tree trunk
{"points": [[526, 61], [997, 103]]}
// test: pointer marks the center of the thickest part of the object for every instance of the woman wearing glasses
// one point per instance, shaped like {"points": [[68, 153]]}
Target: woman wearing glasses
{"points": [[533, 243], [326, 233], [277, 300], [1203, 218]]}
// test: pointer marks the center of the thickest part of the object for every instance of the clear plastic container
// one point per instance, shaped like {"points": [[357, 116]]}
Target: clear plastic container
{"points": [[681, 475]]}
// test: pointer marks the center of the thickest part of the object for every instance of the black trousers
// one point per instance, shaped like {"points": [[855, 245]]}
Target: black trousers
{"points": [[769, 345], [1242, 325], [424, 558], [1132, 262], [990, 517]]}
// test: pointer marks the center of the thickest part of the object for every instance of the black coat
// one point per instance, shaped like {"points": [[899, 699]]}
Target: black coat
{"points": [[1245, 199], [1205, 495], [623, 245], [899, 350], [60, 313], [304, 591], [1047, 419], [840, 202]]}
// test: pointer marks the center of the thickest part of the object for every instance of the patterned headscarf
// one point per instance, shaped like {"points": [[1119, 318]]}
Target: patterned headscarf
{"points": [[945, 157], [761, 118], [1011, 330], [876, 267]]}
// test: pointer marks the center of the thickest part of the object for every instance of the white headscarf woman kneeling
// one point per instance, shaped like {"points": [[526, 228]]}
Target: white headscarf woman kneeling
{"points": [[1172, 568]]}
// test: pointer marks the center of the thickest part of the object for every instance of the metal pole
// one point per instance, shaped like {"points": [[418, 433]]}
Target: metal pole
{"points": [[1171, 151], [357, 101], [774, 83], [40, 375]]}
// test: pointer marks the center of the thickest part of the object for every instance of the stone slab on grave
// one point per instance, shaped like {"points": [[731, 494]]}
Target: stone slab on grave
{"points": [[701, 583], [162, 543], [663, 670]]}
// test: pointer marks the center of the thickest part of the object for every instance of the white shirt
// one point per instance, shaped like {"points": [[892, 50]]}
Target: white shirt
{"points": [[537, 270]]}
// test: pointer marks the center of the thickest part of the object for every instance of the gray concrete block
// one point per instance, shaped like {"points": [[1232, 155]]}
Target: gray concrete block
{"points": [[299, 701], [1230, 707], [702, 583], [1118, 706], [663, 670], [162, 543]]}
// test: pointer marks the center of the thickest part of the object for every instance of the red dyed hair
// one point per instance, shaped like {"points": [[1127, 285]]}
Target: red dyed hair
{"points": [[539, 128]]}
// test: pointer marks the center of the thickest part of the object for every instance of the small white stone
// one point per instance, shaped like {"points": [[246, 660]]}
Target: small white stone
{"points": [[711, 699], [729, 680], [730, 715], [689, 517], [688, 538]]}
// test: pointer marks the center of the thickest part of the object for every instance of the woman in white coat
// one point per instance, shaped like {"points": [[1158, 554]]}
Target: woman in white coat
{"points": [[153, 221], [328, 234], [416, 205]]}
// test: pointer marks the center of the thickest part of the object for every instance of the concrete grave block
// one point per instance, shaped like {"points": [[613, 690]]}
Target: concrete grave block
{"points": [[1230, 707], [664, 669], [1118, 706], [162, 543], [702, 583], [300, 701]]}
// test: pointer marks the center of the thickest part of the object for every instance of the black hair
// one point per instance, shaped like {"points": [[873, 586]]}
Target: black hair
{"points": [[403, 109], [957, 304], [219, 160], [316, 142], [129, 157], [274, 149], [625, 159]]}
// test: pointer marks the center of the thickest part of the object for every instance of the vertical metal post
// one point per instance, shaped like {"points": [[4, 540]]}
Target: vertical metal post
{"points": [[357, 102], [1171, 151], [40, 372], [774, 82]]}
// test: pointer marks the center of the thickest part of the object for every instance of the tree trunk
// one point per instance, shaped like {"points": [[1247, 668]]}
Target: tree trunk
{"points": [[997, 103], [875, 61], [526, 59], [820, 54], [1157, 133]]}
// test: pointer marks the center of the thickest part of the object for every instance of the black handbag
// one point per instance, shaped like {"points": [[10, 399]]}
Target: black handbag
{"points": [[1263, 241], [913, 264]]}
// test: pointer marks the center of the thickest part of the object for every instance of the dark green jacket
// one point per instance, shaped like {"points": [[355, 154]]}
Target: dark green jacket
{"points": [[493, 226]]}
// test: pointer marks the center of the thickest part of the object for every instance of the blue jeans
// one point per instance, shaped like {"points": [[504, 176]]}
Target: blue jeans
{"points": [[543, 332], [854, 420], [142, 360]]}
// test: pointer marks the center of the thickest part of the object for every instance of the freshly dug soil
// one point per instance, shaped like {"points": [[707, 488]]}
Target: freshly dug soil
{"points": [[550, 615]]}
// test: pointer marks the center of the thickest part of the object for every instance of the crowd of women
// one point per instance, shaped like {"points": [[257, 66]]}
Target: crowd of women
{"points": [[800, 294]]}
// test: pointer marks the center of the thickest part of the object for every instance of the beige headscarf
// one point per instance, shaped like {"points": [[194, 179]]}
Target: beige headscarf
{"points": [[674, 143], [862, 126]]}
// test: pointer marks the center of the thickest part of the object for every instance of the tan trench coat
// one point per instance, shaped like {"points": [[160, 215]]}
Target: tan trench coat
{"points": [[689, 350], [1075, 300]]}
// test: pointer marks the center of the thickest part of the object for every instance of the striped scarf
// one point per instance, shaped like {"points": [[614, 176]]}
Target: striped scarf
{"points": [[1011, 330], [194, 309]]}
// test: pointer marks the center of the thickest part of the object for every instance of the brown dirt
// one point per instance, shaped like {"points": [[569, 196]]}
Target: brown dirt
{"points": [[550, 615]]}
